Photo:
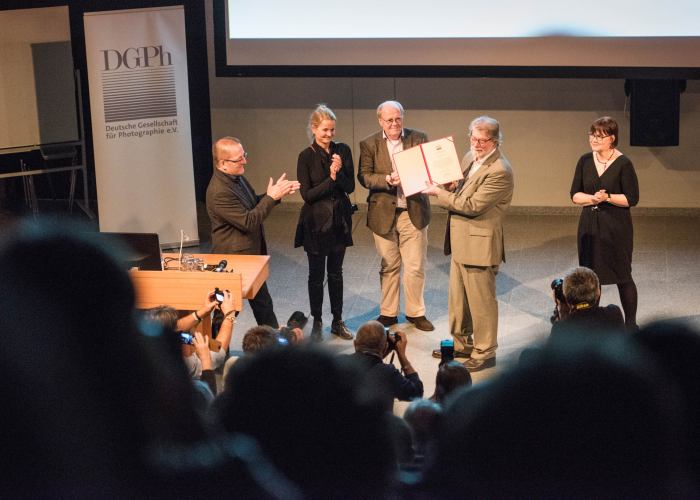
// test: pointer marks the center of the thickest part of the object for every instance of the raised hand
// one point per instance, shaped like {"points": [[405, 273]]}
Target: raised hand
{"points": [[282, 187], [336, 165]]}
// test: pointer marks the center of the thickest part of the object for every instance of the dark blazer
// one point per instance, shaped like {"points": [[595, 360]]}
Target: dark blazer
{"points": [[375, 165], [401, 387], [236, 221], [325, 221], [597, 319]]}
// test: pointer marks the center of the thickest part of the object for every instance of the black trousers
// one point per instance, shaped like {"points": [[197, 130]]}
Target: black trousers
{"points": [[262, 308], [317, 269]]}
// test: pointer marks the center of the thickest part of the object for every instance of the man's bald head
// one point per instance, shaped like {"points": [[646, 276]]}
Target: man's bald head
{"points": [[371, 338]]}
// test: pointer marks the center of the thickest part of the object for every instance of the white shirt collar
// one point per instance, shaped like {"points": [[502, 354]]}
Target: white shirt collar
{"points": [[391, 140]]}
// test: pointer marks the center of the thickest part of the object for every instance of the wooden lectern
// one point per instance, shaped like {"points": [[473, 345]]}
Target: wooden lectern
{"points": [[186, 290]]}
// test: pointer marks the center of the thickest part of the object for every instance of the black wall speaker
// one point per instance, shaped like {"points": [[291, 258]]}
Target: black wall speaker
{"points": [[654, 111]]}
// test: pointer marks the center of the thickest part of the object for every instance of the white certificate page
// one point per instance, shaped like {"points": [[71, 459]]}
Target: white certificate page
{"points": [[412, 170], [442, 161]]}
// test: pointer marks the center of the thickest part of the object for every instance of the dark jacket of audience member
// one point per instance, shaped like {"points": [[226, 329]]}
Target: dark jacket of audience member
{"points": [[581, 311], [371, 347], [401, 387]]}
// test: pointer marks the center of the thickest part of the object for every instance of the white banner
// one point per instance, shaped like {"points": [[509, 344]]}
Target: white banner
{"points": [[140, 111]]}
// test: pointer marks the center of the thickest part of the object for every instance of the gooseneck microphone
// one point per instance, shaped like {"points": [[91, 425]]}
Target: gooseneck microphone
{"points": [[221, 266]]}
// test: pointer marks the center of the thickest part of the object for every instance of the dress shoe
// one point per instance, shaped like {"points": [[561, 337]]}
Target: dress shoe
{"points": [[387, 321], [421, 322], [317, 332], [338, 328], [476, 365], [458, 354]]}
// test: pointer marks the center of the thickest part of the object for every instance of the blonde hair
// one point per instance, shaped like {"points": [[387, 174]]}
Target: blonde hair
{"points": [[322, 112]]}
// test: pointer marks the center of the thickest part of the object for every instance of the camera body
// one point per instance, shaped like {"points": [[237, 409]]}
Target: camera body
{"points": [[186, 338], [558, 289], [218, 295], [391, 339]]}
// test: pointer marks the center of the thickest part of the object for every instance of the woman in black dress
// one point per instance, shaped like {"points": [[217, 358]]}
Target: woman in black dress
{"points": [[326, 174], [605, 185]]}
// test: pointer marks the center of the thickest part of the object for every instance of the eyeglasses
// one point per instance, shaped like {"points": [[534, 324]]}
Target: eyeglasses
{"points": [[391, 121], [238, 160], [480, 142], [595, 137]]}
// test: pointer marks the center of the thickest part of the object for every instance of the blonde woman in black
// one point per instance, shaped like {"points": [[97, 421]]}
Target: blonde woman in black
{"points": [[326, 175]]}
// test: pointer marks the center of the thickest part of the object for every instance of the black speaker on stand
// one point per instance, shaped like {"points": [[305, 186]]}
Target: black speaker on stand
{"points": [[654, 111]]}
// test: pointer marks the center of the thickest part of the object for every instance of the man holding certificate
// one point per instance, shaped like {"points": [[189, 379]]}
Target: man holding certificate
{"points": [[399, 222], [474, 236]]}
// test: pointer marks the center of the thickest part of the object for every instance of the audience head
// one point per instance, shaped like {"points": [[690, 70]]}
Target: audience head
{"points": [[82, 399], [675, 344], [424, 417], [581, 288], [260, 337], [450, 377], [594, 417], [305, 407], [290, 335], [603, 128], [165, 316], [371, 339]]}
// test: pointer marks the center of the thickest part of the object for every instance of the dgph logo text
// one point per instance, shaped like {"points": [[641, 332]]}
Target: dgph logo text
{"points": [[137, 57]]}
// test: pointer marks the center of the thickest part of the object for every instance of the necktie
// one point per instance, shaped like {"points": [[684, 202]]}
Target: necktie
{"points": [[249, 197]]}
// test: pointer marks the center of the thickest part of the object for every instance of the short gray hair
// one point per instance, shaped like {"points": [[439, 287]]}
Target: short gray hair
{"points": [[490, 125], [393, 104], [581, 285]]}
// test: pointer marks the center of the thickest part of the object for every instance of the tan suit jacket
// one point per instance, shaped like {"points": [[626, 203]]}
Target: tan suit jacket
{"points": [[474, 234], [375, 165]]}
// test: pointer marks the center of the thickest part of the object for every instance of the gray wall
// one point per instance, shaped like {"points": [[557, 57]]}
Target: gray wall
{"points": [[544, 122]]}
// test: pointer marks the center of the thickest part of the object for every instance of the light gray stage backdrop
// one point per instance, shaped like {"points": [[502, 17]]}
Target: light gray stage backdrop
{"points": [[137, 70]]}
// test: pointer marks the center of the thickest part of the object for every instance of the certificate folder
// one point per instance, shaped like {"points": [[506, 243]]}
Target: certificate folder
{"points": [[434, 161]]}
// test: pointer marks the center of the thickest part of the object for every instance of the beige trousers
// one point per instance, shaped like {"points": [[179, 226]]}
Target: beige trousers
{"points": [[473, 308], [408, 245]]}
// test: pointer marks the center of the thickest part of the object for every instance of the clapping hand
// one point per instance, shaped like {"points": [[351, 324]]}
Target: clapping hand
{"points": [[281, 188], [336, 165]]}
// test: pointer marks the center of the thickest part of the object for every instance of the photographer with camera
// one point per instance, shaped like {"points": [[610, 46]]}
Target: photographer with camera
{"points": [[576, 297], [195, 358], [373, 343]]}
